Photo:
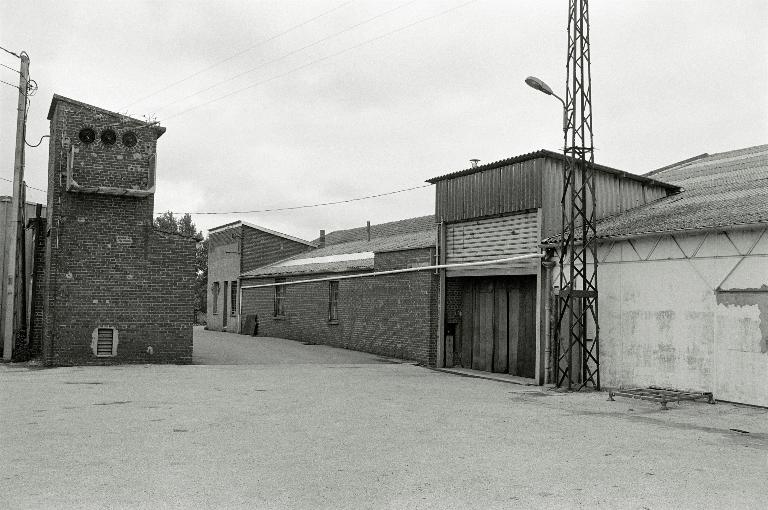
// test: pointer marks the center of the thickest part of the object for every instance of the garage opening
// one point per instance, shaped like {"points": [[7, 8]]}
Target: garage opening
{"points": [[495, 325]]}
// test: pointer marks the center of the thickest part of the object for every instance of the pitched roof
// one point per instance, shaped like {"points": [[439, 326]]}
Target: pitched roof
{"points": [[544, 153], [719, 190], [235, 224], [417, 224], [356, 254]]}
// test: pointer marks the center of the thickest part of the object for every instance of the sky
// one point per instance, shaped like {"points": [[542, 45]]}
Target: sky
{"points": [[278, 103]]}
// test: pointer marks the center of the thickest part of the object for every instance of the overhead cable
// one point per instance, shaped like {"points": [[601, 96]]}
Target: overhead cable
{"points": [[9, 51], [290, 53], [292, 208], [235, 55], [327, 57]]}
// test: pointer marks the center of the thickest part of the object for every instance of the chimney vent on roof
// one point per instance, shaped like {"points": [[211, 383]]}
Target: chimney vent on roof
{"points": [[321, 240], [474, 162], [368, 230]]}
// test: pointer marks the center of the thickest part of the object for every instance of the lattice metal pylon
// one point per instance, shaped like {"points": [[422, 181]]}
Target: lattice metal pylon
{"points": [[576, 356]]}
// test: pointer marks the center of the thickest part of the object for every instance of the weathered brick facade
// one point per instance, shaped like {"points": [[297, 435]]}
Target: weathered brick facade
{"points": [[391, 315], [232, 250], [106, 266]]}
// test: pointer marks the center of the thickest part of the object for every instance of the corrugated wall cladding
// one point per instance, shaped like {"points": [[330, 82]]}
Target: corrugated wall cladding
{"points": [[532, 184], [506, 189], [614, 194], [493, 238]]}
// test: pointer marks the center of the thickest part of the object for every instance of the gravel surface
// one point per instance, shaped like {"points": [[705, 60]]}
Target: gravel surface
{"points": [[315, 427]]}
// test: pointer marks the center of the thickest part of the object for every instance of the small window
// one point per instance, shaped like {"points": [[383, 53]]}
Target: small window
{"points": [[333, 301], [215, 295], [233, 299], [279, 298]]}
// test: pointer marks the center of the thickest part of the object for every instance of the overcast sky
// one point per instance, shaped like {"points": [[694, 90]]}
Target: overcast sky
{"points": [[342, 118]]}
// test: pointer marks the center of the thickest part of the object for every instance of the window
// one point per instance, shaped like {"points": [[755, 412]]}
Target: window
{"points": [[279, 298], [333, 301], [233, 299], [215, 295]]}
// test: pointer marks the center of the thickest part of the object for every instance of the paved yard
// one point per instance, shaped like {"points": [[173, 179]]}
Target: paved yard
{"points": [[314, 427]]}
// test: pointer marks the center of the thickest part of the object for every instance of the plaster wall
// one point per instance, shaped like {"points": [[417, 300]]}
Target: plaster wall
{"points": [[687, 311], [223, 266]]}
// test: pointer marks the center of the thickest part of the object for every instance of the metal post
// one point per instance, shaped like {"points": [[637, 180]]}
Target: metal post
{"points": [[15, 231], [577, 302]]}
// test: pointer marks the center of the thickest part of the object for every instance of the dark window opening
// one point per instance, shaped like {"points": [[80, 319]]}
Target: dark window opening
{"points": [[279, 298], [108, 137], [215, 295], [333, 301], [233, 299]]}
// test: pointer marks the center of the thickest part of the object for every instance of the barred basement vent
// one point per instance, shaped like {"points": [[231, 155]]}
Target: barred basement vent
{"points": [[104, 342]]}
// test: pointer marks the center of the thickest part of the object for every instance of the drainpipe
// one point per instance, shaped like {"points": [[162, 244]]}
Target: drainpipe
{"points": [[546, 289]]}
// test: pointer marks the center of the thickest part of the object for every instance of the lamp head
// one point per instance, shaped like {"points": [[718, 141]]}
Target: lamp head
{"points": [[539, 85]]}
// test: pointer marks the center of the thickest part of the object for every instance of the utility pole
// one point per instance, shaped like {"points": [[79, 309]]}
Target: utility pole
{"points": [[12, 318], [577, 356]]}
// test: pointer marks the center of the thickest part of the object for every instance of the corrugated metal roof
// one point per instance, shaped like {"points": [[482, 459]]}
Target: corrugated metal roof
{"points": [[548, 154], [419, 233], [719, 190]]}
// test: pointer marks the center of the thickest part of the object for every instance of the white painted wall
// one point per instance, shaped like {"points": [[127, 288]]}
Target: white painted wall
{"points": [[687, 311]]}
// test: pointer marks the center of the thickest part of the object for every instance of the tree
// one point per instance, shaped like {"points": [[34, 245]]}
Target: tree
{"points": [[167, 222]]}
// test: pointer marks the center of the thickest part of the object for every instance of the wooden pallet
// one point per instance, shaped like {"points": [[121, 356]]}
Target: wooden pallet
{"points": [[661, 395]]}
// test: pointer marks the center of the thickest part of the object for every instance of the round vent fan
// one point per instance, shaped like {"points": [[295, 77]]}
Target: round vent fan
{"points": [[129, 139], [87, 135], [108, 137]]}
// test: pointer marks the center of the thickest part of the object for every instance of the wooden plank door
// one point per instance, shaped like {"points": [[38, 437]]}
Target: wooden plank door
{"points": [[467, 324], [500, 323], [482, 341]]}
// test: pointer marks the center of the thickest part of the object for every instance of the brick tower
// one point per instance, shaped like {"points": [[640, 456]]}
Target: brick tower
{"points": [[116, 290]]}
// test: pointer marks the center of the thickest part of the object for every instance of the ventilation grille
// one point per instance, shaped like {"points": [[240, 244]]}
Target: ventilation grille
{"points": [[105, 342]]}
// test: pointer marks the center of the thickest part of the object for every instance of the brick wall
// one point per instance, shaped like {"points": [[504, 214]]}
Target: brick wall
{"points": [[234, 251], [105, 264], [262, 248], [393, 315], [38, 288]]}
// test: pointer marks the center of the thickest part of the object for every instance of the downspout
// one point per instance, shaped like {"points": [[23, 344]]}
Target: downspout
{"points": [[240, 284], [548, 264]]}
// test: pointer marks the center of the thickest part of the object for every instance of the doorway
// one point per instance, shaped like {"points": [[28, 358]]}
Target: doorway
{"points": [[225, 309], [498, 325]]}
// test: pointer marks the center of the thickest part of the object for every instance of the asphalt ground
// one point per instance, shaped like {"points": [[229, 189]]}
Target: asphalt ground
{"points": [[304, 426]]}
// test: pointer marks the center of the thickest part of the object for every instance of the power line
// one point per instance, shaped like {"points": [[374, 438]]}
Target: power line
{"points": [[11, 68], [293, 52], [27, 185], [11, 84], [327, 57], [292, 208], [9, 51], [235, 55]]}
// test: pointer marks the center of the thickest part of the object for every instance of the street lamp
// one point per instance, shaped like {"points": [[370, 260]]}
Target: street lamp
{"points": [[539, 85]]}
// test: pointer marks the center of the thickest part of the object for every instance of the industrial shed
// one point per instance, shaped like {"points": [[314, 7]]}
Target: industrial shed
{"points": [[235, 248], [392, 315], [493, 317], [684, 282]]}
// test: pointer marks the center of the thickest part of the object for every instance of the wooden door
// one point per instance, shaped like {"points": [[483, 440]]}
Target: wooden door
{"points": [[498, 325], [483, 333]]}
